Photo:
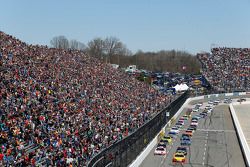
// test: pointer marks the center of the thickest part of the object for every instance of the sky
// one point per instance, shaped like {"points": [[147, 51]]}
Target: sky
{"points": [[148, 25]]}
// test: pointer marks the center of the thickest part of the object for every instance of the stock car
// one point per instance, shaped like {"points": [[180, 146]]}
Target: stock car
{"points": [[185, 117], [203, 114], [210, 102], [193, 126], [208, 107], [162, 144], [185, 141], [198, 116], [194, 122], [168, 139], [216, 102], [160, 151], [195, 118], [227, 100], [189, 133], [174, 130], [241, 100], [182, 119], [209, 110], [195, 109], [181, 122], [182, 150], [199, 104], [179, 158]]}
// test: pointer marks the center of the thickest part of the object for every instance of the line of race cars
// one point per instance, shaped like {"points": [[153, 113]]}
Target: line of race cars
{"points": [[186, 134]]}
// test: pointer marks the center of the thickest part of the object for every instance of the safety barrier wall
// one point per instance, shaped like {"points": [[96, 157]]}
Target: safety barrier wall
{"points": [[151, 145], [132, 150], [240, 134], [123, 152]]}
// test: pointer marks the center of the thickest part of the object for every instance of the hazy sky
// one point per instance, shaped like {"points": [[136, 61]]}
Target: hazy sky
{"points": [[149, 25]]}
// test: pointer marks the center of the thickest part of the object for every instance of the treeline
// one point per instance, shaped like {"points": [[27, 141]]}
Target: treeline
{"points": [[112, 50]]}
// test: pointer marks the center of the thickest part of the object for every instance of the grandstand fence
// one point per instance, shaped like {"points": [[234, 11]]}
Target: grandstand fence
{"points": [[123, 152]]}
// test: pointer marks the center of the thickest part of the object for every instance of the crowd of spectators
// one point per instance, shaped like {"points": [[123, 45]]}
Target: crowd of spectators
{"points": [[227, 69], [61, 108]]}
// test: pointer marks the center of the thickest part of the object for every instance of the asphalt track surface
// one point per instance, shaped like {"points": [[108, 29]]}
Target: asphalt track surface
{"points": [[214, 143]]}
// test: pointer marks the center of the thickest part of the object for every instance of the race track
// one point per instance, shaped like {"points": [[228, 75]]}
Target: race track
{"points": [[214, 143]]}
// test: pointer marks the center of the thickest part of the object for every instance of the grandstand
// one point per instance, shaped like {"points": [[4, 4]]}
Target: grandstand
{"points": [[61, 107], [227, 69]]}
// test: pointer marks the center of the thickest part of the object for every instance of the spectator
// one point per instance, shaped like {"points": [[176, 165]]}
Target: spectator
{"points": [[61, 107], [227, 69]]}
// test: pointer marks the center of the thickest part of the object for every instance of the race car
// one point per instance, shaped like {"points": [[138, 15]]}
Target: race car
{"points": [[181, 122], [185, 141], [193, 127], [197, 116], [208, 107], [203, 114], [182, 150], [216, 102], [199, 104], [209, 110], [189, 133], [179, 158], [162, 144], [241, 100], [182, 119], [168, 139], [195, 109], [194, 122], [227, 100], [210, 102], [160, 151], [185, 117], [174, 130]]}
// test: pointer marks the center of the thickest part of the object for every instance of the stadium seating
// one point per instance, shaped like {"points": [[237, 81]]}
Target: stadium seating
{"points": [[227, 69], [61, 107]]}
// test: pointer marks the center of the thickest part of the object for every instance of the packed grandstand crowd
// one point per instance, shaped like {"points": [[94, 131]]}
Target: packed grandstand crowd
{"points": [[227, 69], [61, 107]]}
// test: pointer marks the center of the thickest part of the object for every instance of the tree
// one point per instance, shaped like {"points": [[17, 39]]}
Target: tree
{"points": [[96, 48], [60, 42], [114, 48], [76, 45]]}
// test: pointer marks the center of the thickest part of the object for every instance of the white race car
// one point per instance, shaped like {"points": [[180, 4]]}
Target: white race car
{"points": [[174, 130], [160, 151]]}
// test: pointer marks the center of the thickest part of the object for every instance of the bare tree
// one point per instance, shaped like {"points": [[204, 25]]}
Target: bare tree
{"points": [[73, 44], [96, 47], [76, 45], [60, 42], [81, 46]]}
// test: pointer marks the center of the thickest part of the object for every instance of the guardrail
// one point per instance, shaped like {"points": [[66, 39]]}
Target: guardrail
{"points": [[241, 136]]}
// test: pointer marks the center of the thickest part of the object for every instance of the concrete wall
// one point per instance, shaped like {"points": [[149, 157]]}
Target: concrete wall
{"points": [[151, 145], [240, 134]]}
